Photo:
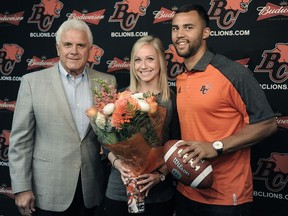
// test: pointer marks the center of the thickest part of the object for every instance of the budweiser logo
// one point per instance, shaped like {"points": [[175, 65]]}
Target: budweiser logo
{"points": [[117, 64], [13, 19], [93, 17], [36, 62], [7, 191], [282, 121], [163, 15], [271, 10], [7, 105]]}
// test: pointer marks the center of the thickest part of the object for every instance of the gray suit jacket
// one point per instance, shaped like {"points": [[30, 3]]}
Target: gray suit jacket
{"points": [[46, 152]]}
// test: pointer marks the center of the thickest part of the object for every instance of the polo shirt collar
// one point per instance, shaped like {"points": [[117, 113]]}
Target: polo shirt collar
{"points": [[202, 64]]}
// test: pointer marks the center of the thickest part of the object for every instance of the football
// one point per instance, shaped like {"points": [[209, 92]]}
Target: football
{"points": [[199, 176]]}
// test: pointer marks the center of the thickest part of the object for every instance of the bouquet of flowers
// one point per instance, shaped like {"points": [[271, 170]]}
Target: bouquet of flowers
{"points": [[129, 125]]}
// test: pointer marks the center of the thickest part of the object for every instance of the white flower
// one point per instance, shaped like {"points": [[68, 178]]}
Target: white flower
{"points": [[100, 120], [109, 109], [144, 106], [138, 96]]}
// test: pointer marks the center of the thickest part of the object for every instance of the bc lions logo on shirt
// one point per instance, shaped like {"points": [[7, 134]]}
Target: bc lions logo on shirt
{"points": [[205, 88]]}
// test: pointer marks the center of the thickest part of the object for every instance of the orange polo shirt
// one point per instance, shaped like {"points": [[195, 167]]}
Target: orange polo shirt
{"points": [[215, 100]]}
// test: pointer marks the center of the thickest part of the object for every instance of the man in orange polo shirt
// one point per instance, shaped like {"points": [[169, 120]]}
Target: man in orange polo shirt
{"points": [[222, 112]]}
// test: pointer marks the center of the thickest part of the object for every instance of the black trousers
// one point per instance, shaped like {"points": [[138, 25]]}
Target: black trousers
{"points": [[187, 207], [119, 208], [77, 207]]}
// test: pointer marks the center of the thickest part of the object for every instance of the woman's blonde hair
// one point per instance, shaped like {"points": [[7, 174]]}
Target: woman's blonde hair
{"points": [[163, 80]]}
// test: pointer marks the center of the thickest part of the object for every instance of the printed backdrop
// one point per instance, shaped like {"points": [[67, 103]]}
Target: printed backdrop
{"points": [[251, 32]]}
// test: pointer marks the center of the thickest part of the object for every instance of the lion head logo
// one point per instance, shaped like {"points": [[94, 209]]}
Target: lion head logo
{"points": [[237, 5], [176, 58], [95, 55], [281, 161], [282, 49], [137, 6], [52, 7], [13, 52]]}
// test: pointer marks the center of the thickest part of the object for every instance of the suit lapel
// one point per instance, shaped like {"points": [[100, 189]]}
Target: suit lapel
{"points": [[91, 75], [60, 97]]}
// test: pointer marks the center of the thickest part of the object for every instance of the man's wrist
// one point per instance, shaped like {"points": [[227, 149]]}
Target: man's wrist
{"points": [[161, 175], [218, 147]]}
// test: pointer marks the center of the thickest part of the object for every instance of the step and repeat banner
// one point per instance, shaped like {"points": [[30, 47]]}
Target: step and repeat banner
{"points": [[251, 32]]}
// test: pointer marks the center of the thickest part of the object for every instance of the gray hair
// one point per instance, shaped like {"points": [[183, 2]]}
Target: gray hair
{"points": [[74, 24]]}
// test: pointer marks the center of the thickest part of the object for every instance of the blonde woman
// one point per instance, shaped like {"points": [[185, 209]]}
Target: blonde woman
{"points": [[148, 72]]}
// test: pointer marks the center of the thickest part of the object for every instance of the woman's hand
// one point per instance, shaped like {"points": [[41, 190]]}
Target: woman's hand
{"points": [[148, 180], [122, 168]]}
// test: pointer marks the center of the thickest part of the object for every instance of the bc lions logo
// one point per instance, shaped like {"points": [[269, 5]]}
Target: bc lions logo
{"points": [[275, 62], [10, 54], [227, 12], [4, 137], [127, 13], [273, 171], [4, 142], [175, 61], [44, 14], [95, 56]]}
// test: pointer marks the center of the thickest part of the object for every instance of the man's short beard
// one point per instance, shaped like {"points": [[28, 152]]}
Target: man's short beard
{"points": [[188, 54]]}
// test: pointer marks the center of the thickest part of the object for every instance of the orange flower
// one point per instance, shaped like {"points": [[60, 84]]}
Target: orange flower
{"points": [[124, 111], [124, 95], [91, 112], [150, 99], [153, 107], [152, 104]]}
